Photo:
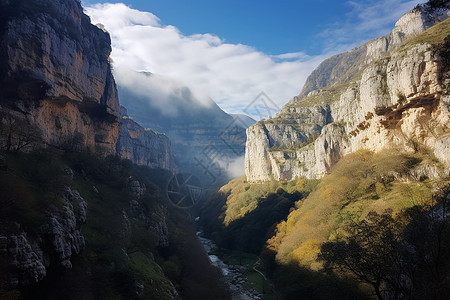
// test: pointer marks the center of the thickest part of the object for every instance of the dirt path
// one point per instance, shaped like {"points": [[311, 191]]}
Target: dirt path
{"points": [[257, 263]]}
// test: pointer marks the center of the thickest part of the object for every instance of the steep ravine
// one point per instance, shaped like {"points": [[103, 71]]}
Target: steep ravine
{"points": [[77, 221]]}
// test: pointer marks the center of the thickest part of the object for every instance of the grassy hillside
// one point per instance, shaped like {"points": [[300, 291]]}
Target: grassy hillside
{"points": [[360, 183]]}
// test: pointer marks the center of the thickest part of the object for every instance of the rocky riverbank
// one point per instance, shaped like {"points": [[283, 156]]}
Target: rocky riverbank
{"points": [[234, 275]]}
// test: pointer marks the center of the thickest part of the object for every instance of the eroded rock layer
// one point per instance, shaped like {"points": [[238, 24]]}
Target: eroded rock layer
{"points": [[55, 74], [144, 146], [393, 91]]}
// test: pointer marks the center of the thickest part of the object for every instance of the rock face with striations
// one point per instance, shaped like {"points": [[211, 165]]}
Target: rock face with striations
{"points": [[144, 146], [393, 91], [55, 74]]}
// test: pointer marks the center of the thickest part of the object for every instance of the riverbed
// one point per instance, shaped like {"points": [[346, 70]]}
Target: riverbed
{"points": [[233, 274]]}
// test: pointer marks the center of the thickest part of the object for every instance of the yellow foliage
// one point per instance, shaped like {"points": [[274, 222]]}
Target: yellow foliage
{"points": [[12, 295], [243, 196], [307, 251], [274, 242], [359, 183], [300, 184]]}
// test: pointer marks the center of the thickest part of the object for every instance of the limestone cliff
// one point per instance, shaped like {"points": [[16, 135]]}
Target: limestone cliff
{"points": [[55, 74], [390, 92], [144, 146]]}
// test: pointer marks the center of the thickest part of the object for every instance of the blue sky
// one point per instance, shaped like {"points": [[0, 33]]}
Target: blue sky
{"points": [[287, 26], [232, 50]]}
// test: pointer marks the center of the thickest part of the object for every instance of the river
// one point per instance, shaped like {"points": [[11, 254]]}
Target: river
{"points": [[233, 274]]}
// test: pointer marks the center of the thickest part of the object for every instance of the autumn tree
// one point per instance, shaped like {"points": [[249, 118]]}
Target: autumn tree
{"points": [[370, 252], [406, 256], [424, 272]]}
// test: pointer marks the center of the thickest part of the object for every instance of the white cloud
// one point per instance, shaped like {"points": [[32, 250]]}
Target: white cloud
{"points": [[293, 55], [236, 168], [231, 74], [161, 91]]}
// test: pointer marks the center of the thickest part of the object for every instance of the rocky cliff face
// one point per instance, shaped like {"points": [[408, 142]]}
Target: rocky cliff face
{"points": [[123, 214], [55, 74], [24, 258], [156, 225], [144, 146], [391, 92]]}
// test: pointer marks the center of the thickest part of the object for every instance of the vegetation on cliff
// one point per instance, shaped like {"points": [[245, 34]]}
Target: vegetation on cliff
{"points": [[400, 256], [360, 183], [135, 247]]}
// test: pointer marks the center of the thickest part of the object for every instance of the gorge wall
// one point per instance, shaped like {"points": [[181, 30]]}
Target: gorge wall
{"points": [[57, 93], [25, 259], [56, 76], [390, 92], [58, 87], [144, 146]]}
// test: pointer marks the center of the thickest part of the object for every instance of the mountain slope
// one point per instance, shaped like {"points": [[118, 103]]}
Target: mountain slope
{"points": [[373, 125], [57, 84], [206, 140], [394, 92]]}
